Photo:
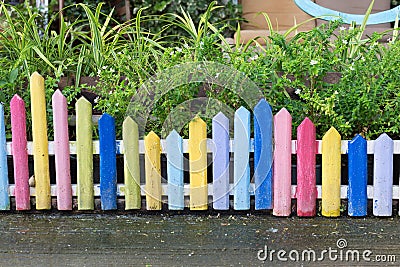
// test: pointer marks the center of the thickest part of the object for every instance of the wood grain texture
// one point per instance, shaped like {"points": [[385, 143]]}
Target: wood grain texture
{"points": [[241, 168], [20, 153], [175, 171], [263, 155], [357, 190], [84, 154], [198, 164], [4, 196], [108, 163], [331, 158], [61, 151], [306, 192], [383, 176], [153, 171], [130, 136], [282, 163], [220, 136], [40, 142]]}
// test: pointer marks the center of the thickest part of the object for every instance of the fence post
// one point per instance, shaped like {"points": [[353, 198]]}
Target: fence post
{"points": [[153, 171], [282, 163], [263, 155], [198, 164], [306, 192], [331, 153], [220, 136], [4, 196], [241, 172], [61, 151], [40, 142], [20, 153], [130, 136], [175, 171], [84, 154], [357, 189], [383, 176], [108, 163]]}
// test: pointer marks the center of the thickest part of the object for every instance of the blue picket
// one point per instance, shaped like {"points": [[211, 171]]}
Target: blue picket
{"points": [[383, 176], [4, 196], [241, 171], [357, 189], [108, 170], [220, 136], [263, 156], [175, 171]]}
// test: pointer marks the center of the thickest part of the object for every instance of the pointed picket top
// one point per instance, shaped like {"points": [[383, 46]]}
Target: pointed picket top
{"points": [[36, 81], [197, 120], [283, 113], [15, 99], [384, 138], [332, 132], [152, 136], [58, 95], [358, 139], [173, 135], [306, 123], [221, 119], [106, 118], [263, 105], [242, 111]]}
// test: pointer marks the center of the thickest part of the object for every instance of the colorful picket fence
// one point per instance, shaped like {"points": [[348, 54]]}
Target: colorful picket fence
{"points": [[270, 186]]}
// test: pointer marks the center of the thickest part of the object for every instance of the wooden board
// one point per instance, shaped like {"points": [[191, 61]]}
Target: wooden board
{"points": [[263, 155], [153, 171], [331, 173], [40, 142], [20, 153], [175, 171], [108, 163], [61, 151], [130, 136], [198, 164], [306, 192], [84, 154], [4, 197], [241, 167]]}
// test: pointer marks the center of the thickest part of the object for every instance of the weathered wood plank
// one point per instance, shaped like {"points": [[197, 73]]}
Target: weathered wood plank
{"points": [[61, 151], [220, 136], [306, 192], [40, 142], [20, 153], [383, 176], [175, 171], [357, 190], [198, 164], [331, 173], [241, 171], [84, 154], [153, 171], [108, 163], [263, 155], [130, 136], [282, 163]]}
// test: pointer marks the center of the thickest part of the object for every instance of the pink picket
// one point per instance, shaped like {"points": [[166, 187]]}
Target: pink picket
{"points": [[306, 191], [20, 153], [61, 151], [282, 163]]}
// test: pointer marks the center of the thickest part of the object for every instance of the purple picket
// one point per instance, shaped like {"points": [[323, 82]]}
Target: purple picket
{"points": [[383, 176], [20, 153], [282, 163], [220, 135], [306, 192], [61, 151]]}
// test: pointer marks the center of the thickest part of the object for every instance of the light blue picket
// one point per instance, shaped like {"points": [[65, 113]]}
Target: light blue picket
{"points": [[263, 155], [220, 136], [357, 189], [383, 176], [241, 149], [108, 163], [4, 196], [175, 171]]}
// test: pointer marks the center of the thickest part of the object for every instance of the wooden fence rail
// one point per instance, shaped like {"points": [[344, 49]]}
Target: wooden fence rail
{"points": [[271, 184]]}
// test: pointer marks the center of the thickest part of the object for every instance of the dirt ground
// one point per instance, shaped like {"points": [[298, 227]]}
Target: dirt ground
{"points": [[165, 239]]}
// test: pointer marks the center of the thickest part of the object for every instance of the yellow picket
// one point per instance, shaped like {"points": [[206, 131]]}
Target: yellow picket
{"points": [[198, 164], [331, 145], [40, 142], [153, 171]]}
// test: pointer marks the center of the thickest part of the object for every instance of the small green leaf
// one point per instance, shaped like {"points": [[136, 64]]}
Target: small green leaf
{"points": [[13, 75]]}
